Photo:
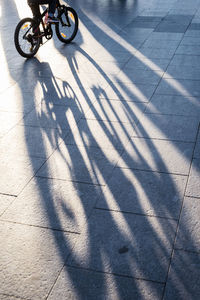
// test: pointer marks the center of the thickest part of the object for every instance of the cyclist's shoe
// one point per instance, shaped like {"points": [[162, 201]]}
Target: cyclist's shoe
{"points": [[52, 20]]}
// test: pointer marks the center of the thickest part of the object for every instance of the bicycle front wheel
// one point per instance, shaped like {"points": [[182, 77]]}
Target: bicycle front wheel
{"points": [[67, 27], [26, 41]]}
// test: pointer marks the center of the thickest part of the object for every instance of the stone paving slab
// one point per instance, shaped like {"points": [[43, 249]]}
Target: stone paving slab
{"points": [[183, 72], [17, 175], [74, 283], [126, 244], [13, 100], [156, 53], [31, 259], [55, 204], [48, 115], [115, 111], [185, 60], [184, 276], [34, 141], [163, 44], [162, 127], [174, 105], [126, 91], [193, 186], [8, 120], [148, 193], [197, 147], [82, 164], [102, 134], [141, 76], [188, 49], [188, 237], [157, 155], [5, 201], [156, 64], [178, 87]]}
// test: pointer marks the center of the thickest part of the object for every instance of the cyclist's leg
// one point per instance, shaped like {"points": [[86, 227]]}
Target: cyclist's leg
{"points": [[35, 11], [52, 6]]}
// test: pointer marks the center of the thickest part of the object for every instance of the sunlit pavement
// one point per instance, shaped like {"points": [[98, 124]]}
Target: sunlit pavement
{"points": [[100, 155]]}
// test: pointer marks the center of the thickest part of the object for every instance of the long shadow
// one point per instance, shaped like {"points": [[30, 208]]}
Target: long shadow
{"points": [[112, 242]]}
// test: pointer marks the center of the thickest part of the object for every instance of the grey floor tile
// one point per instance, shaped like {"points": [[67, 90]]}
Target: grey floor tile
{"points": [[93, 285], [147, 19], [154, 64], [55, 204], [194, 26], [178, 18], [17, 172], [192, 33], [143, 192], [157, 155], [188, 237], [197, 147], [174, 105], [31, 259], [162, 36], [182, 87], [143, 24], [126, 244], [83, 164], [5, 201], [169, 127], [116, 111], [183, 281], [156, 53], [8, 120], [10, 297], [31, 141], [128, 91], [182, 72], [15, 100], [153, 12], [185, 60], [102, 134], [162, 44], [49, 115], [141, 76], [169, 26], [193, 186], [188, 49], [187, 40]]}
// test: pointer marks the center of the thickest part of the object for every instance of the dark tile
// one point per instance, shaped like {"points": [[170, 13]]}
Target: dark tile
{"points": [[194, 26], [180, 19], [166, 26]]}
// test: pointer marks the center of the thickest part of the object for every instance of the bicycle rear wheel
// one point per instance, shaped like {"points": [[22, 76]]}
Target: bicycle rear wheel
{"points": [[67, 27], [26, 41]]}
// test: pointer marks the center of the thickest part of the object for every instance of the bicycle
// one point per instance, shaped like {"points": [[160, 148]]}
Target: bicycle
{"points": [[29, 33]]}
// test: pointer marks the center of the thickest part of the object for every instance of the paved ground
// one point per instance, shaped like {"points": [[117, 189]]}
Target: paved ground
{"points": [[100, 155]]}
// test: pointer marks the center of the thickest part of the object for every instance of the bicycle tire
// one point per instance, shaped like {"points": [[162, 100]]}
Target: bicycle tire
{"points": [[31, 46], [68, 32]]}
